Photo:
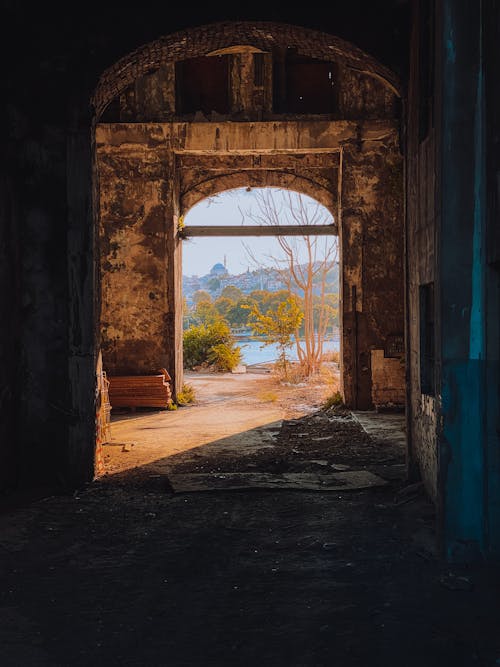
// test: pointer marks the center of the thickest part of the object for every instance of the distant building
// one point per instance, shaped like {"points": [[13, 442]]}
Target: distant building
{"points": [[261, 279], [218, 270]]}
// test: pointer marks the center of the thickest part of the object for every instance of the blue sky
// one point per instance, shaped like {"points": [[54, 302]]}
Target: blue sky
{"points": [[200, 254]]}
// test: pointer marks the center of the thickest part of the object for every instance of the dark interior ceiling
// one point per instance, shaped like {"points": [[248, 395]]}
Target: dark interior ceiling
{"points": [[106, 31], [56, 56]]}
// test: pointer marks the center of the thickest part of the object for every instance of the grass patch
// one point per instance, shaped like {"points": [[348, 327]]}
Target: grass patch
{"points": [[268, 396], [187, 395], [331, 356], [291, 372]]}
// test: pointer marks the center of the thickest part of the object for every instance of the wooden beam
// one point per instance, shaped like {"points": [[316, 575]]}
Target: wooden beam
{"points": [[259, 230]]}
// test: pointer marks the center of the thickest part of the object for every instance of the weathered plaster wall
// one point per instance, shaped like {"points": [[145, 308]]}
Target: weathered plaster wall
{"points": [[388, 381], [372, 255], [139, 174], [150, 98], [136, 209], [362, 96]]}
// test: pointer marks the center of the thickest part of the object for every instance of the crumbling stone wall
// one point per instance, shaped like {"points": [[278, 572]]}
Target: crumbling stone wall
{"points": [[135, 210], [372, 254]]}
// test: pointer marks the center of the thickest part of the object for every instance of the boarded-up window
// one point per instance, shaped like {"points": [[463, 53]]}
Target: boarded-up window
{"points": [[427, 340], [202, 84], [305, 85]]}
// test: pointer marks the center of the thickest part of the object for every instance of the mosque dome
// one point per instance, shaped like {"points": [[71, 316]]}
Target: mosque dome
{"points": [[218, 269]]}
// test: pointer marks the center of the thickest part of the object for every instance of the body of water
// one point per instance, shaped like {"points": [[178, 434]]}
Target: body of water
{"points": [[254, 353]]}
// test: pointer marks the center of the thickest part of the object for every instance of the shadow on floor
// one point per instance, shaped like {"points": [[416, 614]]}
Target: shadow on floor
{"points": [[127, 573]]}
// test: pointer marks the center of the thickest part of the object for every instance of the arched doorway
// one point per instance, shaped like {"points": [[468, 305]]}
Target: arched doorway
{"points": [[286, 105], [271, 245]]}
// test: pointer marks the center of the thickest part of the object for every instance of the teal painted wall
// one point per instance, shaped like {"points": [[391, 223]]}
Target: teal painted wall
{"points": [[468, 439]]}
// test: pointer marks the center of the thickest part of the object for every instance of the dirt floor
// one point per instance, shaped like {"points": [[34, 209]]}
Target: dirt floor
{"points": [[227, 406], [132, 571]]}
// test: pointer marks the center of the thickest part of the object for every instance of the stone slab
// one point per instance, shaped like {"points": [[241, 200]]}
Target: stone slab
{"points": [[352, 480]]}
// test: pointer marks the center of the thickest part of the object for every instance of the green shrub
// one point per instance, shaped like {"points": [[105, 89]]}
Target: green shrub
{"points": [[211, 344], [186, 395], [334, 400], [224, 356]]}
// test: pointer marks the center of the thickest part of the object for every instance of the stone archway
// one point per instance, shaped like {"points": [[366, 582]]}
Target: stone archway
{"points": [[219, 37], [157, 164], [200, 186]]}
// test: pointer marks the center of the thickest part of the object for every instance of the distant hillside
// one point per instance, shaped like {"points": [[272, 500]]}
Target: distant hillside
{"points": [[260, 279]]}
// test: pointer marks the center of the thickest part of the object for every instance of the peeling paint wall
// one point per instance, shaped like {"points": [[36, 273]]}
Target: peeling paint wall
{"points": [[452, 252]]}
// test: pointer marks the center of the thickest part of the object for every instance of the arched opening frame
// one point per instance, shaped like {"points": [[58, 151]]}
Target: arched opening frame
{"points": [[150, 173]]}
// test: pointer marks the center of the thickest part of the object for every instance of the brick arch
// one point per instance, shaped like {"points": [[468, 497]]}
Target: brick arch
{"points": [[206, 39], [259, 179]]}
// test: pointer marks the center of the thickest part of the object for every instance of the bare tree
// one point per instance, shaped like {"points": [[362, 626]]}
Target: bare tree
{"points": [[305, 263]]}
